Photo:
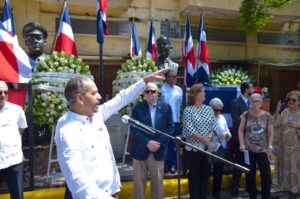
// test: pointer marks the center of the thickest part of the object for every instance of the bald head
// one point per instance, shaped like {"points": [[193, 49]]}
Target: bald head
{"points": [[3, 93], [3, 85]]}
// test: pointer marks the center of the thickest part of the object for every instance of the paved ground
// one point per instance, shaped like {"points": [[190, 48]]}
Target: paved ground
{"points": [[276, 194]]}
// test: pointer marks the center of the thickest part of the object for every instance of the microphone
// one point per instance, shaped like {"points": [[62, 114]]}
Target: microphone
{"points": [[128, 120]]}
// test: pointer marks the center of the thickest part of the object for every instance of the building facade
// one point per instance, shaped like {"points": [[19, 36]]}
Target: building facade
{"points": [[271, 55]]}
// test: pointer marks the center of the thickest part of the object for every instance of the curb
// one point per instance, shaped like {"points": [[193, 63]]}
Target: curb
{"points": [[170, 188]]}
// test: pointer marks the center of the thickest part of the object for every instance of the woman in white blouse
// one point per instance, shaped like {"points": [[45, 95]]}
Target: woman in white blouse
{"points": [[223, 136], [199, 123]]}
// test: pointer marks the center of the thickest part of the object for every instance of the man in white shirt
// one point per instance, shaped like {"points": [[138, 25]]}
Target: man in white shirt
{"points": [[12, 124], [172, 95], [84, 150]]}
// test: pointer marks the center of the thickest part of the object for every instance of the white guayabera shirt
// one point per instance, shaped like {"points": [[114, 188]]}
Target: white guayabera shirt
{"points": [[84, 150], [12, 118]]}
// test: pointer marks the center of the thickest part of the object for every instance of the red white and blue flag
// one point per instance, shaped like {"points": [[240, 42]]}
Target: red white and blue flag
{"points": [[151, 47], [102, 28], [8, 20], [188, 55], [202, 75], [135, 49], [15, 64], [65, 39]]}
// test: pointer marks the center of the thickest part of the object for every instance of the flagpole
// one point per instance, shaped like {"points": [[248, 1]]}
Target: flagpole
{"points": [[30, 135], [60, 19], [101, 72]]}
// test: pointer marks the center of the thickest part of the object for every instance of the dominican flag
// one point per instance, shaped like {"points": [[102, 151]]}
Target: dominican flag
{"points": [[151, 48], [8, 20], [135, 49], [202, 75], [15, 65], [65, 39], [188, 55], [102, 28]]}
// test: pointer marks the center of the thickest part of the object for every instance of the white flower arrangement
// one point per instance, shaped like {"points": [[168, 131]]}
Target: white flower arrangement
{"points": [[49, 79], [131, 71]]}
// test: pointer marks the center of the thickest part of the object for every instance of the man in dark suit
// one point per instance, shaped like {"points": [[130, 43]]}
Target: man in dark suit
{"points": [[148, 151], [237, 107]]}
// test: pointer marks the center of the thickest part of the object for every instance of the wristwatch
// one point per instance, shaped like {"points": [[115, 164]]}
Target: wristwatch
{"points": [[270, 147]]}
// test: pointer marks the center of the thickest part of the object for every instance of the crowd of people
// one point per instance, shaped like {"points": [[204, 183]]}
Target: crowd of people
{"points": [[86, 157]]}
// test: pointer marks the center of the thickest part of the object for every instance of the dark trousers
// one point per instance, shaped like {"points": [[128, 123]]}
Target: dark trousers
{"points": [[14, 179], [265, 175], [217, 179], [198, 175], [171, 155], [68, 194], [238, 157]]}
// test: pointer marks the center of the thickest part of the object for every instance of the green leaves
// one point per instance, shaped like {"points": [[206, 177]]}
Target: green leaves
{"points": [[49, 79], [255, 14], [131, 71], [228, 76]]}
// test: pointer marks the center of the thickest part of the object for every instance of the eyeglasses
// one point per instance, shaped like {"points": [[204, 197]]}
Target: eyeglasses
{"points": [[292, 100], [256, 101], [218, 110], [150, 91], [3, 92]]}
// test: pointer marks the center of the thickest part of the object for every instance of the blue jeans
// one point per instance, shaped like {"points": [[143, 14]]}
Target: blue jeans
{"points": [[171, 154]]}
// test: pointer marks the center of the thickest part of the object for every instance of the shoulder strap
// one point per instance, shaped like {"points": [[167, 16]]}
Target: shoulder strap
{"points": [[246, 117]]}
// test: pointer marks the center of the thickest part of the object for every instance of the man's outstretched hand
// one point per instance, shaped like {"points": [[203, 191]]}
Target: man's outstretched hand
{"points": [[156, 76]]}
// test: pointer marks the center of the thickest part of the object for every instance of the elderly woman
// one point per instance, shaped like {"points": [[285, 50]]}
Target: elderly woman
{"points": [[288, 160], [199, 123], [223, 136], [256, 138]]}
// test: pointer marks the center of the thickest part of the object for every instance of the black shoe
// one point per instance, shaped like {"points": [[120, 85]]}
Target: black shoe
{"points": [[234, 191], [173, 170], [166, 170]]}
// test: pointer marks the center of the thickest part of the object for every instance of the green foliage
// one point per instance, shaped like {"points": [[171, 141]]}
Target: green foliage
{"points": [[228, 75], [131, 71], [255, 14], [49, 79]]}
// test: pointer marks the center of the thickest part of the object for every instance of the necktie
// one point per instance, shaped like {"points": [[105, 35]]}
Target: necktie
{"points": [[248, 104]]}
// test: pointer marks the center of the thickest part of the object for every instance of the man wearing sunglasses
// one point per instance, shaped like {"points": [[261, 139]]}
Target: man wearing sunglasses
{"points": [[172, 95], [148, 151], [12, 124]]}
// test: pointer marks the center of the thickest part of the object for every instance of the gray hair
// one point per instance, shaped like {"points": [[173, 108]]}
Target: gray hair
{"points": [[4, 84], [256, 95], [76, 85], [216, 101], [151, 84]]}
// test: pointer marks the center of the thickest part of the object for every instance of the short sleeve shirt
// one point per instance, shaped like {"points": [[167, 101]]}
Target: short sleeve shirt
{"points": [[12, 118], [256, 138], [199, 120]]}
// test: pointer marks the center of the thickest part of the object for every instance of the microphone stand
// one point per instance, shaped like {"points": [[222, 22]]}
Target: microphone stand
{"points": [[178, 141]]}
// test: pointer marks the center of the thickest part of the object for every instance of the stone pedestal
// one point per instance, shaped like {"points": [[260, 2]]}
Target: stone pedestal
{"points": [[117, 132]]}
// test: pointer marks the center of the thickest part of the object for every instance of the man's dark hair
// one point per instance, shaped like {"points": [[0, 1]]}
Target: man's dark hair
{"points": [[75, 85], [245, 86]]}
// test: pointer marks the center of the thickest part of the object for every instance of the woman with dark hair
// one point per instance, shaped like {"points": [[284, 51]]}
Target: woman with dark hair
{"points": [[199, 124], [287, 169]]}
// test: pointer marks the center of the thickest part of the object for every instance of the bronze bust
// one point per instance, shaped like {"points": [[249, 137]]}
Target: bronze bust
{"points": [[35, 36], [163, 48]]}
